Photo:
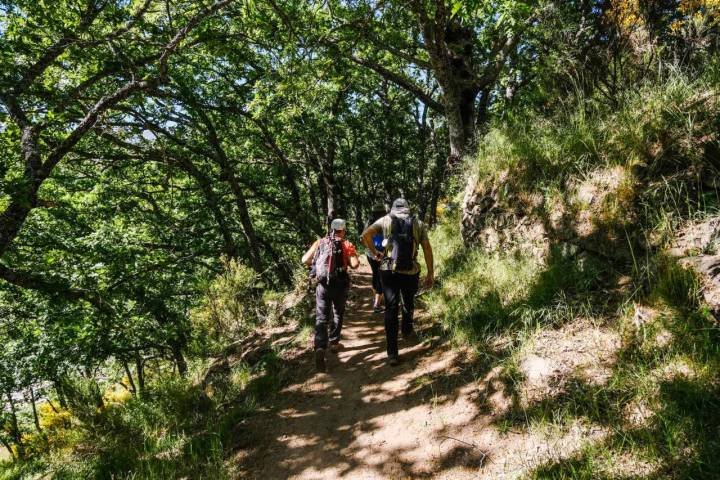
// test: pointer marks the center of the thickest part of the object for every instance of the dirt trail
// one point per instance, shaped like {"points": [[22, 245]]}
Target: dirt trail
{"points": [[433, 416]]}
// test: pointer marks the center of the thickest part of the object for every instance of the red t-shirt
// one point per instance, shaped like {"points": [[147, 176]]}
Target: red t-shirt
{"points": [[348, 251]]}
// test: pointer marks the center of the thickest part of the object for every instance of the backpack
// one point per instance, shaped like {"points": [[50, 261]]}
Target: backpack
{"points": [[403, 243], [328, 261]]}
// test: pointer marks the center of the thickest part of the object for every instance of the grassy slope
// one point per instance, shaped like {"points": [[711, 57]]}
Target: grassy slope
{"points": [[175, 430], [667, 364]]}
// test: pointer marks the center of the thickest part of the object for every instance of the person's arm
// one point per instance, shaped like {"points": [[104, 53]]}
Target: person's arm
{"points": [[428, 253], [353, 260], [307, 258], [367, 239]]}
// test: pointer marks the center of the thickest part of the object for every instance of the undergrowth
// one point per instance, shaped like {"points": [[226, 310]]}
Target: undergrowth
{"points": [[659, 410], [174, 429]]}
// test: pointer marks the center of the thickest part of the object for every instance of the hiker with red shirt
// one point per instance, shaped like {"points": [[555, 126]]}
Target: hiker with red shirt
{"points": [[329, 259]]}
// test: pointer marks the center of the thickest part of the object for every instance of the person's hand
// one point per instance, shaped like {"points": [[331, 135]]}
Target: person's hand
{"points": [[377, 255], [428, 283]]}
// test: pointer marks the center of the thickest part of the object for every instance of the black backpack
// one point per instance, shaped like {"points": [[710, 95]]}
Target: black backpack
{"points": [[404, 246]]}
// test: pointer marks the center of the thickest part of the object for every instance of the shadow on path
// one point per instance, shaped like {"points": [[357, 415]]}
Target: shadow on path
{"points": [[363, 418]]}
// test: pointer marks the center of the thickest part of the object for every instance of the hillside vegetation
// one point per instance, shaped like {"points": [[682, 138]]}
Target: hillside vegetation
{"points": [[164, 164], [573, 283]]}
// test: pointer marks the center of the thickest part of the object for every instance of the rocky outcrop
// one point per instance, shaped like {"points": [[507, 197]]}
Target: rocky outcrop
{"points": [[498, 214], [495, 217], [696, 246]]}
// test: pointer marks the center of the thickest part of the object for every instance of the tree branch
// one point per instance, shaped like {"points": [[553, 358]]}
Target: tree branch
{"points": [[56, 49], [401, 81], [53, 286]]}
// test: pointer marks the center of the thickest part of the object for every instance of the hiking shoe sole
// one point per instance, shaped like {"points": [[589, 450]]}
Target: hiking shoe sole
{"points": [[393, 360], [320, 360]]}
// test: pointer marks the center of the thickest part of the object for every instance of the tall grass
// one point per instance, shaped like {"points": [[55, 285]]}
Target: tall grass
{"points": [[662, 126], [482, 296], [174, 430], [668, 364]]}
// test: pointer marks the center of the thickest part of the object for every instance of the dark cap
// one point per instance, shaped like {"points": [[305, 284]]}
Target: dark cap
{"points": [[400, 203]]}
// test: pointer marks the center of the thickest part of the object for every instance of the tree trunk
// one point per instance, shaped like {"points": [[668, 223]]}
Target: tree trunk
{"points": [[133, 388], [229, 175], [324, 202], [15, 433], [332, 193], [165, 316], [284, 271], [52, 405], [179, 360], [60, 393], [99, 401], [459, 117], [438, 175], [13, 218], [284, 166], [315, 203], [36, 418], [140, 370], [8, 448], [359, 218], [246, 222], [212, 202]]}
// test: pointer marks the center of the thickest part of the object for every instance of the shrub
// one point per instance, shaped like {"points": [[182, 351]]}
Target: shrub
{"points": [[232, 304]]}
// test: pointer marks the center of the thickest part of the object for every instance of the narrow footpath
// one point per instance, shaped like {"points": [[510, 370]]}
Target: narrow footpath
{"points": [[432, 416]]}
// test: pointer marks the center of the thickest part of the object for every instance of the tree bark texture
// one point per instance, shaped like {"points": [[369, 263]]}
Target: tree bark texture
{"points": [[15, 427], [33, 405], [140, 370]]}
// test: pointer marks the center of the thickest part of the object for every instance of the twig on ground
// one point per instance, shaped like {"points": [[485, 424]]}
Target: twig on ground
{"points": [[461, 441]]}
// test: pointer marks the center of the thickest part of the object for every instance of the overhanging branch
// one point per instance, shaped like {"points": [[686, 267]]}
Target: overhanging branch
{"points": [[401, 81], [53, 286]]}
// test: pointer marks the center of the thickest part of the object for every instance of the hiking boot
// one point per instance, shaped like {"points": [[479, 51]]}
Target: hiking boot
{"points": [[393, 360], [411, 338], [320, 359]]}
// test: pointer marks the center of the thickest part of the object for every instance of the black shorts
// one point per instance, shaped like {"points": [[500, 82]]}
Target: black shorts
{"points": [[376, 283]]}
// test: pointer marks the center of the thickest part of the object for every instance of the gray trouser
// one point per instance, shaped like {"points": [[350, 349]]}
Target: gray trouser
{"points": [[329, 304]]}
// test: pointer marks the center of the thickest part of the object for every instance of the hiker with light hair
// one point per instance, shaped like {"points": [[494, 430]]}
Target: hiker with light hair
{"points": [[329, 258], [399, 269]]}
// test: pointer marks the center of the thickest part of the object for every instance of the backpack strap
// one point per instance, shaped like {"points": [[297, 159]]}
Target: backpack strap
{"points": [[416, 237]]}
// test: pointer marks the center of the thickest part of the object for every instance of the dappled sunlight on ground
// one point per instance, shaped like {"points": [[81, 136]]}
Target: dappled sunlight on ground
{"points": [[439, 414]]}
